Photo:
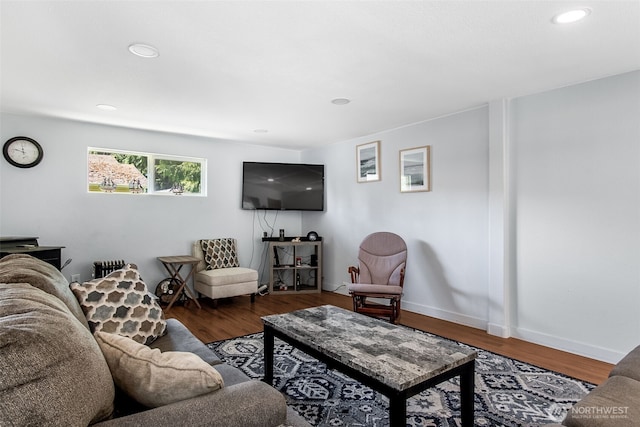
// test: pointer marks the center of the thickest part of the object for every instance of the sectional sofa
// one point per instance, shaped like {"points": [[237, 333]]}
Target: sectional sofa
{"points": [[58, 369], [615, 402]]}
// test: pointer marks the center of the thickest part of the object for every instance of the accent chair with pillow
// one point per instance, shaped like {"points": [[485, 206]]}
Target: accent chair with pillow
{"points": [[110, 358], [219, 275]]}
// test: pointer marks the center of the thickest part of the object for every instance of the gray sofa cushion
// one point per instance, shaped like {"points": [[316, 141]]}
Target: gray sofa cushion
{"points": [[21, 268], [178, 338], [613, 403], [248, 404], [53, 372], [629, 366], [231, 375], [295, 420]]}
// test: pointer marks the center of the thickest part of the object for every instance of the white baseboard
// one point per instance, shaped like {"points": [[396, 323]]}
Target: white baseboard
{"points": [[501, 331], [575, 347], [558, 343], [427, 311], [339, 289], [450, 316]]}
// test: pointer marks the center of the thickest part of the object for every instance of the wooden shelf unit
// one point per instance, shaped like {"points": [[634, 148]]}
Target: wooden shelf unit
{"points": [[297, 268]]}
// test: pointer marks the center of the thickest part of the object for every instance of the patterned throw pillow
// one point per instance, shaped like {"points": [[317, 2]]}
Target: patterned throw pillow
{"points": [[120, 303], [220, 253]]}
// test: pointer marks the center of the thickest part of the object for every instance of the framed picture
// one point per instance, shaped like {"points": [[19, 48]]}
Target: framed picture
{"points": [[368, 162], [415, 170]]}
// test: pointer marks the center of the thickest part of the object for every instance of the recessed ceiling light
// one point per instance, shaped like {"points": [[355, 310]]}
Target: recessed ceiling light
{"points": [[106, 107], [340, 101], [260, 130], [571, 16], [144, 50]]}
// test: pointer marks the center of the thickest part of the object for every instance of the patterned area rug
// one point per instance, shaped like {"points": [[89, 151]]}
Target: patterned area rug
{"points": [[507, 392]]}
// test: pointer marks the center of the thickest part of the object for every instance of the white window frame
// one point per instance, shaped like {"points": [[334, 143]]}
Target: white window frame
{"points": [[151, 158]]}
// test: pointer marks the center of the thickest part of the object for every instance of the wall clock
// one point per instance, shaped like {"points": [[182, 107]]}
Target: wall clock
{"points": [[22, 152]]}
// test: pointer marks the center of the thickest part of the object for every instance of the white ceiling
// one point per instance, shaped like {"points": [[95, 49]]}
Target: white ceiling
{"points": [[227, 68]]}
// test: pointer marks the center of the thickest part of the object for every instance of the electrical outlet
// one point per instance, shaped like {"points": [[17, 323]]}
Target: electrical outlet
{"points": [[75, 277]]}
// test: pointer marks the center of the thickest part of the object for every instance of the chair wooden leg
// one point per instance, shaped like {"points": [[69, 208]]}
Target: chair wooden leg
{"points": [[393, 314], [390, 311]]}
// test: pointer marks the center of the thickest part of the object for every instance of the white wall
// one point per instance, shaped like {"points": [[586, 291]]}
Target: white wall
{"points": [[533, 225], [445, 229], [578, 216], [532, 228], [51, 201]]}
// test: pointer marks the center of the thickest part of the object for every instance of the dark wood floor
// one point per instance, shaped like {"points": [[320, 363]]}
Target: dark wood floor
{"points": [[237, 316]]}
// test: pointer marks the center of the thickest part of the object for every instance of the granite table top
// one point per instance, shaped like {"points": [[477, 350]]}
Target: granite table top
{"points": [[395, 355]]}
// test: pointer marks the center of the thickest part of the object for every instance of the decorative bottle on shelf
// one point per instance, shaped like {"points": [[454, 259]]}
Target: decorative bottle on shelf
{"points": [[297, 281]]}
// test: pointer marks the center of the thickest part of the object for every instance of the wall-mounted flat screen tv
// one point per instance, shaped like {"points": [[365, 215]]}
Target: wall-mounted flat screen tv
{"points": [[282, 186]]}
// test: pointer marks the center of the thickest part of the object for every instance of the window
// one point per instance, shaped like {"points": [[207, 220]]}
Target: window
{"points": [[116, 171]]}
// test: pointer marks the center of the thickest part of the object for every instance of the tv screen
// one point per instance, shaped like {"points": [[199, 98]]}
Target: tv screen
{"points": [[282, 186]]}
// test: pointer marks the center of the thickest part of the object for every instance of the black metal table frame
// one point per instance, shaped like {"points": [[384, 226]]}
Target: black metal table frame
{"points": [[397, 398]]}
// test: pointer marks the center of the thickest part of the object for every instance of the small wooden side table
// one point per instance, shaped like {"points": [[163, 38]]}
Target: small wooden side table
{"points": [[173, 264]]}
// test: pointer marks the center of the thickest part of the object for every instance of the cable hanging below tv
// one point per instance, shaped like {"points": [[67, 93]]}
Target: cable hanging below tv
{"points": [[282, 186]]}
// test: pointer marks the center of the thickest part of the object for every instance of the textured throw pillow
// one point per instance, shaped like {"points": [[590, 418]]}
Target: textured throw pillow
{"points": [[220, 253], [120, 303], [52, 372], [154, 378]]}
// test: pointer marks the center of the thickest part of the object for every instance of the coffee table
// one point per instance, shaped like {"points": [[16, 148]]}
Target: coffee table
{"points": [[394, 360]]}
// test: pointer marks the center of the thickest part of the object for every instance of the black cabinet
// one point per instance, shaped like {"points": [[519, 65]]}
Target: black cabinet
{"points": [[30, 246]]}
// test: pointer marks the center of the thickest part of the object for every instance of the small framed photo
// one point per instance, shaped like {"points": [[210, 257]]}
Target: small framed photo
{"points": [[368, 162], [415, 169]]}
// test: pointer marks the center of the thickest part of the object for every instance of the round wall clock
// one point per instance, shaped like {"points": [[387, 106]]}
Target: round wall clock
{"points": [[22, 152]]}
